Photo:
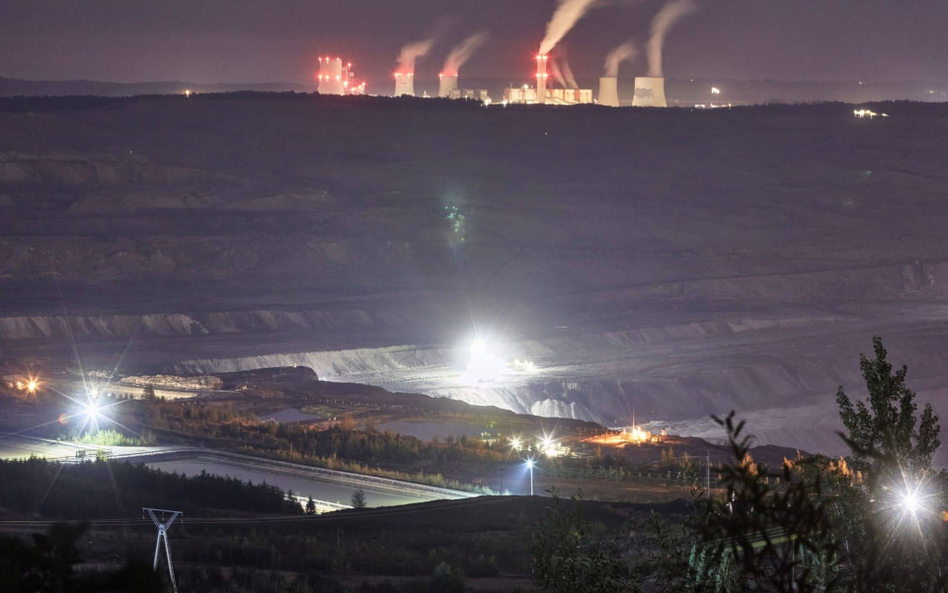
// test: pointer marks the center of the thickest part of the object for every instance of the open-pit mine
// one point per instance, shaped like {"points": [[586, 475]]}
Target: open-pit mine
{"points": [[669, 264]]}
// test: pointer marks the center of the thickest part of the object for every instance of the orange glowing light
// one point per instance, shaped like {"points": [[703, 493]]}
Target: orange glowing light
{"points": [[63, 418], [620, 439]]}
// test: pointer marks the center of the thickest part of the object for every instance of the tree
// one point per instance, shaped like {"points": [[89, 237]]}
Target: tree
{"points": [[760, 537], [447, 579], [358, 499], [47, 565], [568, 558], [897, 532], [148, 393], [887, 426], [310, 506]]}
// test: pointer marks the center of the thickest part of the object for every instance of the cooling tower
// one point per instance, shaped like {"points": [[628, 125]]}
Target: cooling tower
{"points": [[649, 92], [447, 84], [404, 84], [609, 91], [541, 79], [330, 77]]}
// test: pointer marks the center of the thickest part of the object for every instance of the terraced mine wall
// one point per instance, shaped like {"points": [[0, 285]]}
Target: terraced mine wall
{"points": [[680, 263]]}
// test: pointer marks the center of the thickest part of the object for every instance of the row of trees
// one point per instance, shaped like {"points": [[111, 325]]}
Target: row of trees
{"points": [[872, 522], [99, 489], [367, 446]]}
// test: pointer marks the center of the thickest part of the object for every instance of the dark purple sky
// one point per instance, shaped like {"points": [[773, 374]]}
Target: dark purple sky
{"points": [[278, 40]]}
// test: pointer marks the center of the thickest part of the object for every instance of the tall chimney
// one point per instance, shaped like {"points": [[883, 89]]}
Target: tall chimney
{"points": [[649, 92], [446, 84], [541, 78], [404, 84], [609, 91]]}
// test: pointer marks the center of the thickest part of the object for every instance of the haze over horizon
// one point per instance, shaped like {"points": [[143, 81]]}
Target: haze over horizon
{"points": [[247, 41]]}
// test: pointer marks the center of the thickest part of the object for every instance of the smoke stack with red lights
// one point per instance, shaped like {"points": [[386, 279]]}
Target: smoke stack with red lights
{"points": [[541, 78]]}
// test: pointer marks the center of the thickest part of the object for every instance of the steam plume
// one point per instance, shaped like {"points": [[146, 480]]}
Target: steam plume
{"points": [[412, 51], [666, 18], [462, 52], [626, 51], [557, 74], [567, 71], [564, 17]]}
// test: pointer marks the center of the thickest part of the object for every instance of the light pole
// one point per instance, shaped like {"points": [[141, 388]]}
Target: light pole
{"points": [[530, 467]]}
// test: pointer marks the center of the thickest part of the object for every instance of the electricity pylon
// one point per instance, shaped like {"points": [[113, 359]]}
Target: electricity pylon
{"points": [[163, 525]]}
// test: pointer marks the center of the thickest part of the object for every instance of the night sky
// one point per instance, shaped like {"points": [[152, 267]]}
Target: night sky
{"points": [[279, 40]]}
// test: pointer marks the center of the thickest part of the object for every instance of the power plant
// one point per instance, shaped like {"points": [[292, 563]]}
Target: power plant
{"points": [[609, 91], [334, 78], [649, 92], [525, 94], [446, 84], [404, 84]]}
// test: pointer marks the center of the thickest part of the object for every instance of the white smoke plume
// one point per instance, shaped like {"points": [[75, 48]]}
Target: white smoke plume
{"points": [[564, 17], [622, 53], [412, 51], [666, 18], [567, 71], [462, 52], [557, 74]]}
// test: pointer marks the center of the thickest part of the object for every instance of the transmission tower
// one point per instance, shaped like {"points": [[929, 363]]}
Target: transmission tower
{"points": [[163, 525]]}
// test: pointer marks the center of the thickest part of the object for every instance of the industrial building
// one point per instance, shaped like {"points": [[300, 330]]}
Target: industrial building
{"points": [[527, 94], [523, 94], [541, 94], [481, 95], [336, 78]]}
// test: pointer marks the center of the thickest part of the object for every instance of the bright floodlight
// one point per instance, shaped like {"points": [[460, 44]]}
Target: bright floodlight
{"points": [[91, 409], [515, 443], [93, 412], [31, 386], [483, 365], [910, 502], [529, 464]]}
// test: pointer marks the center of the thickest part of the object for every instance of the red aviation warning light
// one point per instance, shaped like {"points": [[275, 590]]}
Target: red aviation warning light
{"points": [[335, 76]]}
